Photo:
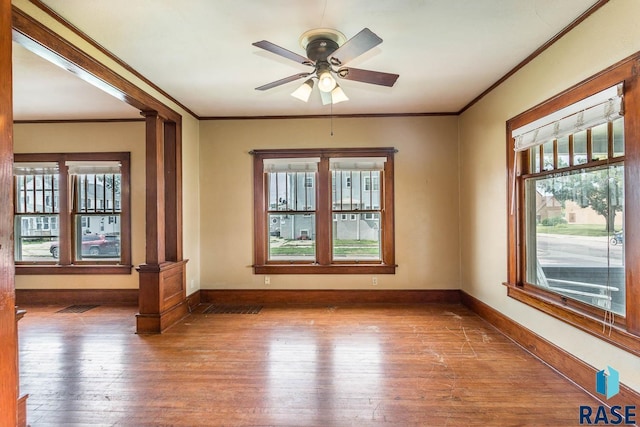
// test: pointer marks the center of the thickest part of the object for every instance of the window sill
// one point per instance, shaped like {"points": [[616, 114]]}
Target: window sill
{"points": [[72, 269], [324, 269], [587, 322]]}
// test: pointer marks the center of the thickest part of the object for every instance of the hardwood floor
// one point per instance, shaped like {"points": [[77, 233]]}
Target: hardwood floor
{"points": [[428, 365]]}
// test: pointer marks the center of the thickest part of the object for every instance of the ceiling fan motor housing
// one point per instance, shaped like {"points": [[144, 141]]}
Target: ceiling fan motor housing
{"points": [[318, 50]]}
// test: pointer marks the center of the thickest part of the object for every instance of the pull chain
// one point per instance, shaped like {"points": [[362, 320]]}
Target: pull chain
{"points": [[331, 118]]}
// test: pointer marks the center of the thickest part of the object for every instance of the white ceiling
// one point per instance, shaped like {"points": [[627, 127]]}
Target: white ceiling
{"points": [[447, 52]]}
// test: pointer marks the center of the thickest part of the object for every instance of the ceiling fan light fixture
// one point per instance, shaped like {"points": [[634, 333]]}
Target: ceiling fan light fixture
{"points": [[304, 91], [327, 51], [338, 95], [326, 82]]}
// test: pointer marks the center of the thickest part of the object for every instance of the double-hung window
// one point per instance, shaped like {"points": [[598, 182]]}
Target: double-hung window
{"points": [[291, 208], [573, 242], [324, 211], [358, 239], [72, 213], [36, 210], [96, 210]]}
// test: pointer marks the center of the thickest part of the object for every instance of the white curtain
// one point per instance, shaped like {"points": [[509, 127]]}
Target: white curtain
{"points": [[94, 168], [594, 110], [35, 168], [294, 164], [357, 163]]}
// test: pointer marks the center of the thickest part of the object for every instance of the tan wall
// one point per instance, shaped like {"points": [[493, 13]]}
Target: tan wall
{"points": [[191, 200], [86, 137], [608, 36], [426, 174]]}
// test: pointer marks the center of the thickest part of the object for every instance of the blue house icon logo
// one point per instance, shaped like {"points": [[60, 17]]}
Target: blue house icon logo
{"points": [[608, 384]]}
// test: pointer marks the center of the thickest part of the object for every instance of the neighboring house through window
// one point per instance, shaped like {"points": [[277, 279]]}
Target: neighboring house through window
{"points": [[72, 213], [320, 211]]}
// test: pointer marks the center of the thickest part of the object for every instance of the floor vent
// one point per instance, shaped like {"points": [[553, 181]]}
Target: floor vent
{"points": [[233, 309], [77, 309]]}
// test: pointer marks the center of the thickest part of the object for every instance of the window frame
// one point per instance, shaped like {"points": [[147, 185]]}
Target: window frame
{"points": [[324, 215], [624, 332], [65, 263]]}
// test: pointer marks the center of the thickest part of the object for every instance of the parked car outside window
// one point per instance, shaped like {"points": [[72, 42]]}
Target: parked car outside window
{"points": [[93, 245]]}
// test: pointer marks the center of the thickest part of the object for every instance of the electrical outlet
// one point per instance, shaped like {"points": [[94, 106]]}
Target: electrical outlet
{"points": [[374, 280], [267, 280]]}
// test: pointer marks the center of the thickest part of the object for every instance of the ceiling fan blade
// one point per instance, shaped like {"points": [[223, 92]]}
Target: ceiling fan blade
{"points": [[355, 46], [367, 76], [274, 48], [283, 81]]}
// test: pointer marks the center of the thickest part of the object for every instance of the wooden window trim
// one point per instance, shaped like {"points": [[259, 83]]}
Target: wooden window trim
{"points": [[65, 264], [324, 217], [625, 331]]}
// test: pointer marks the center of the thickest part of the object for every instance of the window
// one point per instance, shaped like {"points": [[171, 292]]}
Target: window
{"points": [[71, 213], [572, 251], [37, 195], [368, 183], [308, 182], [359, 239], [581, 264], [321, 200]]}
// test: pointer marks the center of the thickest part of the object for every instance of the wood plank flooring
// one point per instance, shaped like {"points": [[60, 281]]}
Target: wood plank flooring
{"points": [[429, 365]]}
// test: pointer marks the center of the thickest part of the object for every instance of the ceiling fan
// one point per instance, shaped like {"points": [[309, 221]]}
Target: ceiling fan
{"points": [[327, 52]]}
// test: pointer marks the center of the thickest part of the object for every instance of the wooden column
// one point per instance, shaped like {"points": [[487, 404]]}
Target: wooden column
{"points": [[173, 189], [22, 400], [155, 219], [8, 331], [162, 298]]}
